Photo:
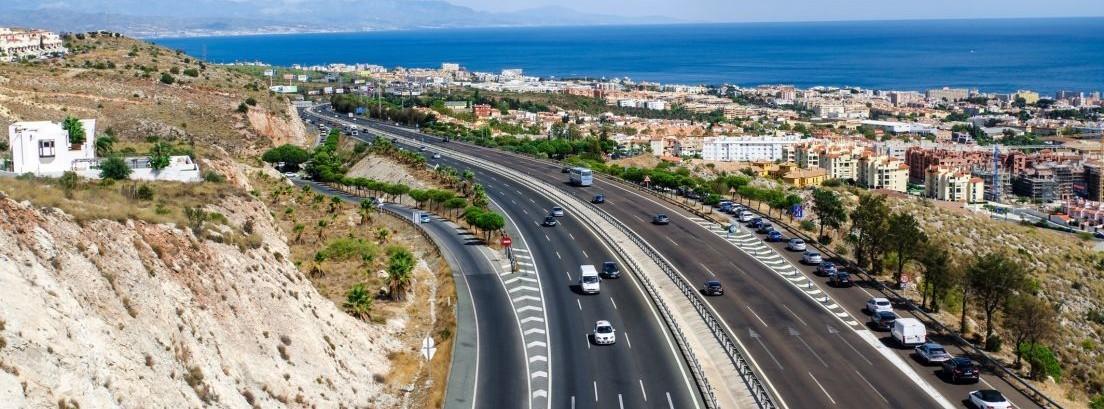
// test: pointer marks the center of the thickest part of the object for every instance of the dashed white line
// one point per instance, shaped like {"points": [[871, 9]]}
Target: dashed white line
{"points": [[672, 241], [707, 270], [670, 404], [822, 388], [627, 340], [585, 255], [757, 317], [872, 387], [580, 304], [571, 235], [642, 391], [795, 315], [525, 211], [595, 391], [546, 237], [558, 255], [587, 336], [568, 273], [613, 302], [619, 402]]}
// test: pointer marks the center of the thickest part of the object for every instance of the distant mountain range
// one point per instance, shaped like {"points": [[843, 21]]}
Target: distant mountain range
{"points": [[169, 18]]}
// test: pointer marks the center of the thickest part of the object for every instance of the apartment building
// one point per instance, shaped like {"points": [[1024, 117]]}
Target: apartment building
{"points": [[16, 44], [920, 158], [953, 185], [947, 94], [882, 172], [747, 148], [1094, 181]]}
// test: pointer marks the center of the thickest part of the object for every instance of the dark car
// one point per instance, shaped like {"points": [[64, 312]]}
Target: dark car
{"points": [[764, 228], [661, 219], [840, 279], [774, 236], [713, 287], [598, 199], [755, 223], [550, 221], [610, 270], [826, 268], [883, 320], [960, 369]]}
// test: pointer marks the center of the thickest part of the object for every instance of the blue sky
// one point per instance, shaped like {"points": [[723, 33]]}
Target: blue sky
{"points": [[810, 10]]}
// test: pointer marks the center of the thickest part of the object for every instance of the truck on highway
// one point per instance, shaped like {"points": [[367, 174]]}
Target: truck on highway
{"points": [[589, 282], [580, 176], [909, 332]]}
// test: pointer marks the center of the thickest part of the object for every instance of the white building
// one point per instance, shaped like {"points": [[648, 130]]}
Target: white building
{"points": [[43, 149], [953, 186], [882, 172], [747, 148], [16, 44]]}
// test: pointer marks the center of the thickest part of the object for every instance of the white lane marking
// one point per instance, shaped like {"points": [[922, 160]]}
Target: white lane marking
{"points": [[580, 304], [822, 388], [595, 391], [585, 255], [532, 319], [795, 315], [672, 241], [571, 235], [532, 201], [518, 192], [587, 335], [529, 308], [572, 401], [670, 404], [613, 302], [525, 211], [707, 270], [534, 331], [538, 374], [536, 344], [558, 255], [757, 317], [475, 313], [568, 273], [513, 201], [904, 367], [872, 387], [546, 238], [522, 250], [619, 402], [627, 340], [639, 218], [642, 391], [526, 298]]}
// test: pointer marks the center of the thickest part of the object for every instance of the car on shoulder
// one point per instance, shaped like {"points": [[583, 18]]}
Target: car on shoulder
{"points": [[604, 334], [796, 244], [557, 211], [755, 222], [876, 304], [764, 228], [424, 218], [989, 399], [610, 270], [959, 369], [550, 221], [599, 199], [811, 258], [712, 287], [826, 268], [931, 353], [840, 279], [774, 236], [883, 320], [661, 219]]}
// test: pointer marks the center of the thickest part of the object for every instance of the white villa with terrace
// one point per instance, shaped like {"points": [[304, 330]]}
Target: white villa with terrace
{"points": [[43, 149]]}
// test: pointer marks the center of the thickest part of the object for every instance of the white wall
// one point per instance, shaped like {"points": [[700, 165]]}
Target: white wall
{"points": [[24, 139]]}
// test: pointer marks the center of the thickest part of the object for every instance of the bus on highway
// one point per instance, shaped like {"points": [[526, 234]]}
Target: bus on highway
{"points": [[581, 176]]}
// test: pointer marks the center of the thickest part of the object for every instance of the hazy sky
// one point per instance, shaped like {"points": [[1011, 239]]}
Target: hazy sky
{"points": [[804, 10]]}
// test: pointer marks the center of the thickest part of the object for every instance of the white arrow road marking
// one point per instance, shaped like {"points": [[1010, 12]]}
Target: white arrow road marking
{"points": [[532, 319], [539, 374], [536, 358], [526, 297], [536, 344]]}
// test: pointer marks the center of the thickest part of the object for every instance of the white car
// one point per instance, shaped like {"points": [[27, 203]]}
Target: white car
{"points": [[811, 258], [291, 175], [604, 334], [874, 305], [436, 156], [745, 216], [796, 245], [557, 211], [932, 353], [989, 399]]}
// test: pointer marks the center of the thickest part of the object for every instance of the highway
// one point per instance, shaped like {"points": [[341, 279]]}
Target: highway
{"points": [[644, 369], [811, 355]]}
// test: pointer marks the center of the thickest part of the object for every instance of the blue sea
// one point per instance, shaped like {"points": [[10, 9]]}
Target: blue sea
{"points": [[999, 55]]}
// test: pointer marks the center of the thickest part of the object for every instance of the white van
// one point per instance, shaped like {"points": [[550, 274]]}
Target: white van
{"points": [[589, 281], [909, 332]]}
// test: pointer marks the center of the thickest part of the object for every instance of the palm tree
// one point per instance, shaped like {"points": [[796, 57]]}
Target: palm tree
{"points": [[298, 229], [381, 234], [366, 210], [335, 202], [105, 145], [399, 270], [358, 302], [322, 227]]}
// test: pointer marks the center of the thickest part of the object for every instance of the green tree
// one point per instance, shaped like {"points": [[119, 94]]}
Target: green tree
{"points": [[74, 129], [940, 275], [869, 227], [105, 145], [159, 156], [322, 228], [830, 210], [167, 79], [906, 238], [114, 168], [290, 155], [454, 204], [366, 211], [993, 278], [1029, 320], [399, 269], [358, 302]]}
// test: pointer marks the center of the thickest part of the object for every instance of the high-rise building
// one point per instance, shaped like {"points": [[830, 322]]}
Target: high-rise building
{"points": [[746, 148], [882, 172], [1094, 181]]}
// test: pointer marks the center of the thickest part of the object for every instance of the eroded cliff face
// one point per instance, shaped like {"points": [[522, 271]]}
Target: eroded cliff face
{"points": [[132, 314]]}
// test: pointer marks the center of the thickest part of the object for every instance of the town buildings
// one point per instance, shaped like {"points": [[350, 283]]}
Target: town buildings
{"points": [[953, 185], [16, 44], [882, 172], [747, 148]]}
